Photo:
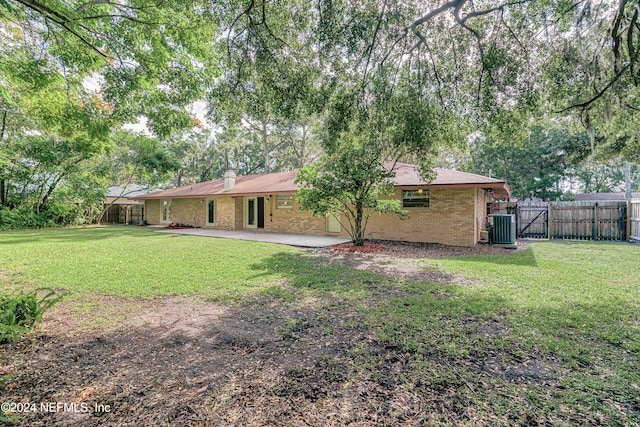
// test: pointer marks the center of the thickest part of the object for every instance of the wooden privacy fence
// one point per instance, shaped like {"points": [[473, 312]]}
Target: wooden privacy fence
{"points": [[634, 220], [603, 220]]}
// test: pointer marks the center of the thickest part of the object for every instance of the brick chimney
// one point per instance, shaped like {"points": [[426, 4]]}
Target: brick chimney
{"points": [[229, 180]]}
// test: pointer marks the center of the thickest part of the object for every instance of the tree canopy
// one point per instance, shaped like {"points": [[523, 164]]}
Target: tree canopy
{"points": [[150, 59], [287, 81]]}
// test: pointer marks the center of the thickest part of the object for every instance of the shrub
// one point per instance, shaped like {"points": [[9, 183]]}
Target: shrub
{"points": [[56, 214], [19, 312]]}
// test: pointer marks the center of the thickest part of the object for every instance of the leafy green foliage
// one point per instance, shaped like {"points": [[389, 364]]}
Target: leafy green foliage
{"points": [[153, 59], [409, 76], [140, 159], [269, 88], [604, 177], [58, 213], [73, 72], [348, 185], [53, 133], [20, 312], [534, 166], [549, 162], [62, 158], [510, 63]]}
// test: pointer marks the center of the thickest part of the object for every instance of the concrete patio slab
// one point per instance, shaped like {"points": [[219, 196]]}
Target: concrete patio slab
{"points": [[302, 240]]}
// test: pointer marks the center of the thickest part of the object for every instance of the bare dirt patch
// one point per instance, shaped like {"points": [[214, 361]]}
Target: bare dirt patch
{"points": [[434, 250], [184, 361], [367, 248], [174, 361], [404, 259]]}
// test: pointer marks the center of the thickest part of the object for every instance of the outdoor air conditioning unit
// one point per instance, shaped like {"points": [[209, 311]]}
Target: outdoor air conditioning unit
{"points": [[502, 230]]}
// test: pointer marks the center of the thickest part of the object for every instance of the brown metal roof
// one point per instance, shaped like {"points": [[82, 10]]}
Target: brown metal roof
{"points": [[282, 182], [409, 176], [270, 183]]}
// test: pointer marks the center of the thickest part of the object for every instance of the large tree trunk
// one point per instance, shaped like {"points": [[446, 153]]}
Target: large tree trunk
{"points": [[358, 238], [43, 205], [265, 148], [3, 182], [3, 192]]}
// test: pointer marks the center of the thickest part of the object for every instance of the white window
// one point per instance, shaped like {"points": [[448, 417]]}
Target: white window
{"points": [[165, 211], [412, 199], [284, 201], [211, 212]]}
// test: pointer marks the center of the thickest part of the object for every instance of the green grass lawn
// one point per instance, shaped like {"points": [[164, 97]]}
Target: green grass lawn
{"points": [[565, 313], [547, 335], [558, 291], [137, 262]]}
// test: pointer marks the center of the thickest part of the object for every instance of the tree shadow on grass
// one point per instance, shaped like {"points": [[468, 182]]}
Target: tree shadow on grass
{"points": [[524, 257], [194, 364], [303, 271], [260, 363]]}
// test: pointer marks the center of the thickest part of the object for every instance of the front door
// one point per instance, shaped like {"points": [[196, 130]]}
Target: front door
{"points": [[254, 212], [260, 212]]}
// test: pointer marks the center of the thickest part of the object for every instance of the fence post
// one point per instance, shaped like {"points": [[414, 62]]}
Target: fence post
{"points": [[627, 233], [549, 221], [594, 230]]}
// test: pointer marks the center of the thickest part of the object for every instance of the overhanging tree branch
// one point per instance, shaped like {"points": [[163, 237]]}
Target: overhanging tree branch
{"points": [[63, 22], [586, 104]]}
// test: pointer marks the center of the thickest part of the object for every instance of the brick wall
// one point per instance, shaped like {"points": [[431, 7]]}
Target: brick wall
{"points": [[189, 212], [292, 220], [238, 203], [481, 211], [152, 211], [225, 213], [454, 217], [450, 220]]}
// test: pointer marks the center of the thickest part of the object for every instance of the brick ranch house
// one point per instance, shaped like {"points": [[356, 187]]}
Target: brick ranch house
{"points": [[450, 210]]}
